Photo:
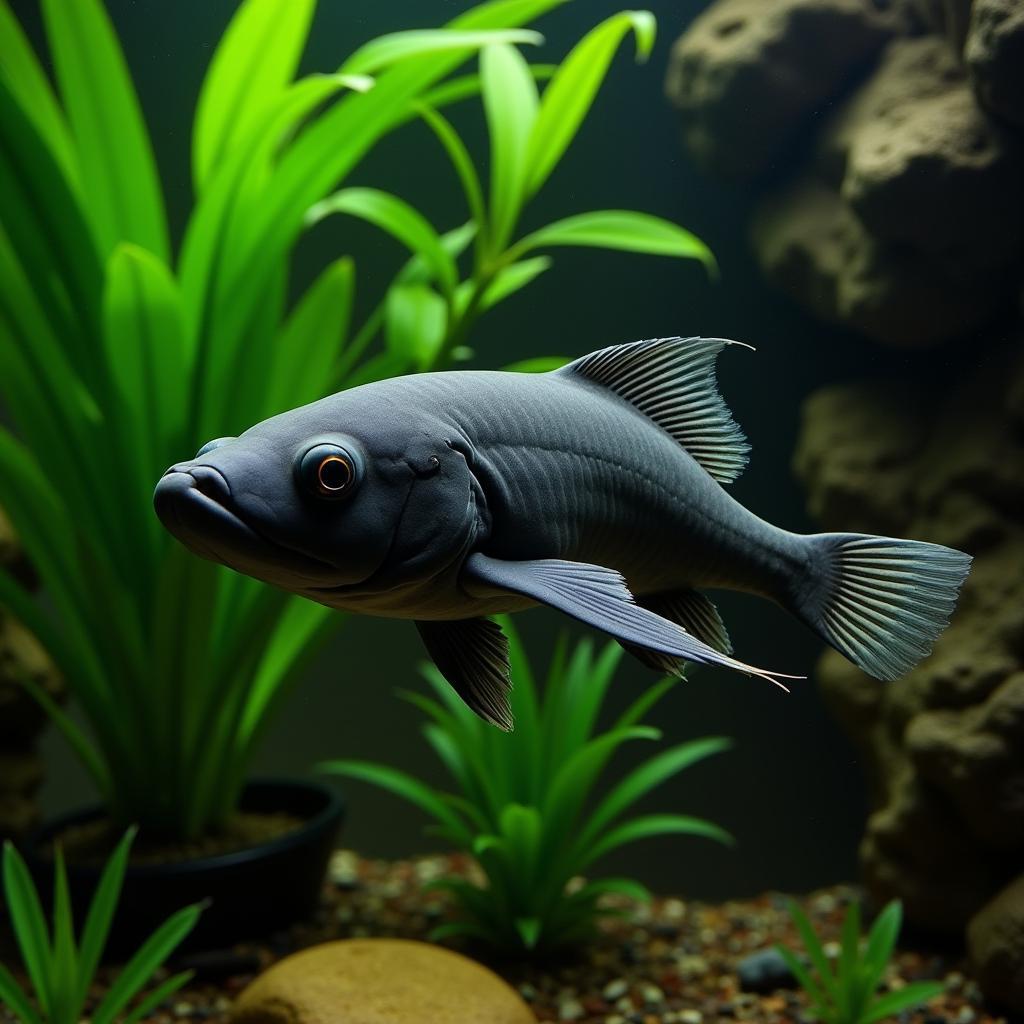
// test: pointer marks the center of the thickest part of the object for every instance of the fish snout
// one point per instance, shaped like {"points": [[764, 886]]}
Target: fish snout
{"points": [[184, 482]]}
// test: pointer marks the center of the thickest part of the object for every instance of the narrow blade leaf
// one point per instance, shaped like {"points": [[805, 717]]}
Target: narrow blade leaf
{"points": [[118, 172], [254, 61]]}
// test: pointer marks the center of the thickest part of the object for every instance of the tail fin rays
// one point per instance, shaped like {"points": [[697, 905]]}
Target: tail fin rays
{"points": [[880, 601]]}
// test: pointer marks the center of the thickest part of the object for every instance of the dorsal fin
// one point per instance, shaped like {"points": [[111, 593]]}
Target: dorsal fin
{"points": [[672, 380]]}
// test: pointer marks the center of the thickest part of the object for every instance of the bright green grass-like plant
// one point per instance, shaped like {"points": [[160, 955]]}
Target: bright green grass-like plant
{"points": [[119, 356], [846, 991], [61, 968], [525, 807]]}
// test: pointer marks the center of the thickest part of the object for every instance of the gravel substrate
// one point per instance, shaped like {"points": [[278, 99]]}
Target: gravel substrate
{"points": [[674, 962]]}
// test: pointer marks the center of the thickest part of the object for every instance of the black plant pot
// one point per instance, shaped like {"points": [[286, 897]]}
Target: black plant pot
{"points": [[252, 892]]}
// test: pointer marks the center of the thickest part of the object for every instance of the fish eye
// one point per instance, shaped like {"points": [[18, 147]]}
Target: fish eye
{"points": [[328, 471], [210, 445]]}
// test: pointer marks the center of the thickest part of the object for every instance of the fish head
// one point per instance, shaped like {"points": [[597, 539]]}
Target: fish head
{"points": [[323, 498]]}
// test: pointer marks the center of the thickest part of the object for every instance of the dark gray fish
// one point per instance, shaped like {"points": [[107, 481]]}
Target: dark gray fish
{"points": [[595, 489]]}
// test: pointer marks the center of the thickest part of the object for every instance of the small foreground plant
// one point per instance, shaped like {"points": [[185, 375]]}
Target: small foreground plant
{"points": [[61, 970], [847, 992], [524, 805]]}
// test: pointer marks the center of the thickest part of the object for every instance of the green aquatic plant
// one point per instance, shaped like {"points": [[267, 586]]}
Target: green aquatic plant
{"points": [[119, 356], [846, 991], [61, 968], [525, 805]]}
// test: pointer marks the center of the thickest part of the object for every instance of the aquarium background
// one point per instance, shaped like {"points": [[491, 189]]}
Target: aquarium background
{"points": [[791, 790]]}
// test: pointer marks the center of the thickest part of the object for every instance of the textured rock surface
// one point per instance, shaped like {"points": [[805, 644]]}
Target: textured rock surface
{"points": [[379, 981], [895, 207], [811, 245], [751, 74], [944, 745], [909, 223], [21, 720], [925, 167], [995, 940], [995, 56]]}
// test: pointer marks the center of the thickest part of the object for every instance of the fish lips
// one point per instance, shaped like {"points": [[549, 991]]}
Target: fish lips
{"points": [[195, 506]]}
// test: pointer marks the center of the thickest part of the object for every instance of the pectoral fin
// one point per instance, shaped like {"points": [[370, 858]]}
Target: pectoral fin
{"points": [[600, 598], [472, 654]]}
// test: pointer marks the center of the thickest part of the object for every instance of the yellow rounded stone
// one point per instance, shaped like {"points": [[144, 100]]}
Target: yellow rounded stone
{"points": [[379, 981]]}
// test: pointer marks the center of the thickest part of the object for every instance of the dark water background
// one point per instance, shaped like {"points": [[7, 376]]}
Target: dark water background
{"points": [[791, 790]]}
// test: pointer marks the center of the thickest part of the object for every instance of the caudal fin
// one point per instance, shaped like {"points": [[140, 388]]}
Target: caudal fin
{"points": [[880, 601]]}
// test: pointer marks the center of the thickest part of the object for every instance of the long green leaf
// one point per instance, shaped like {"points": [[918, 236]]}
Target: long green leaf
{"points": [[396, 782], [654, 825], [48, 230], [460, 158], [144, 339], [101, 913], [510, 103], [65, 1003], [29, 925], [154, 951], [647, 776], [815, 952], [881, 942], [161, 993], [29, 85], [569, 95], [303, 358], [802, 975], [893, 1003], [389, 49], [575, 778], [85, 750], [12, 996], [254, 61], [415, 323], [399, 219], [512, 279], [625, 230], [118, 172]]}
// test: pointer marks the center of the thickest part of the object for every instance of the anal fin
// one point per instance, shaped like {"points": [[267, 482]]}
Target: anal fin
{"points": [[472, 654], [695, 613]]}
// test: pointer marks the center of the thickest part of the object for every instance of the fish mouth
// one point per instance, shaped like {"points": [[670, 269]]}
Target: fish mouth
{"points": [[195, 506]]}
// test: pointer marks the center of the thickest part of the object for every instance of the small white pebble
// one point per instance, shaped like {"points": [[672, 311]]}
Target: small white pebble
{"points": [[832, 950], [691, 1017], [183, 1009], [965, 1016], [615, 989], [653, 996], [570, 1009], [825, 903], [624, 1005], [673, 909]]}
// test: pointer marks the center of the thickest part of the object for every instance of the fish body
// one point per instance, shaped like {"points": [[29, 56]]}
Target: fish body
{"points": [[597, 489]]}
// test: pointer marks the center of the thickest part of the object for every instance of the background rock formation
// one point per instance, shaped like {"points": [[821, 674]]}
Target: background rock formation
{"points": [[891, 202], [21, 719], [884, 144], [944, 746]]}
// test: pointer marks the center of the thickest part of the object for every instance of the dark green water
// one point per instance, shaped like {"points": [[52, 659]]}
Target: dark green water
{"points": [[791, 791]]}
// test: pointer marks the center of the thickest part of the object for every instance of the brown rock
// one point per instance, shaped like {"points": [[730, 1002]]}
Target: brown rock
{"points": [[995, 56], [995, 942], [749, 75], [812, 245], [924, 167], [944, 745], [379, 981]]}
